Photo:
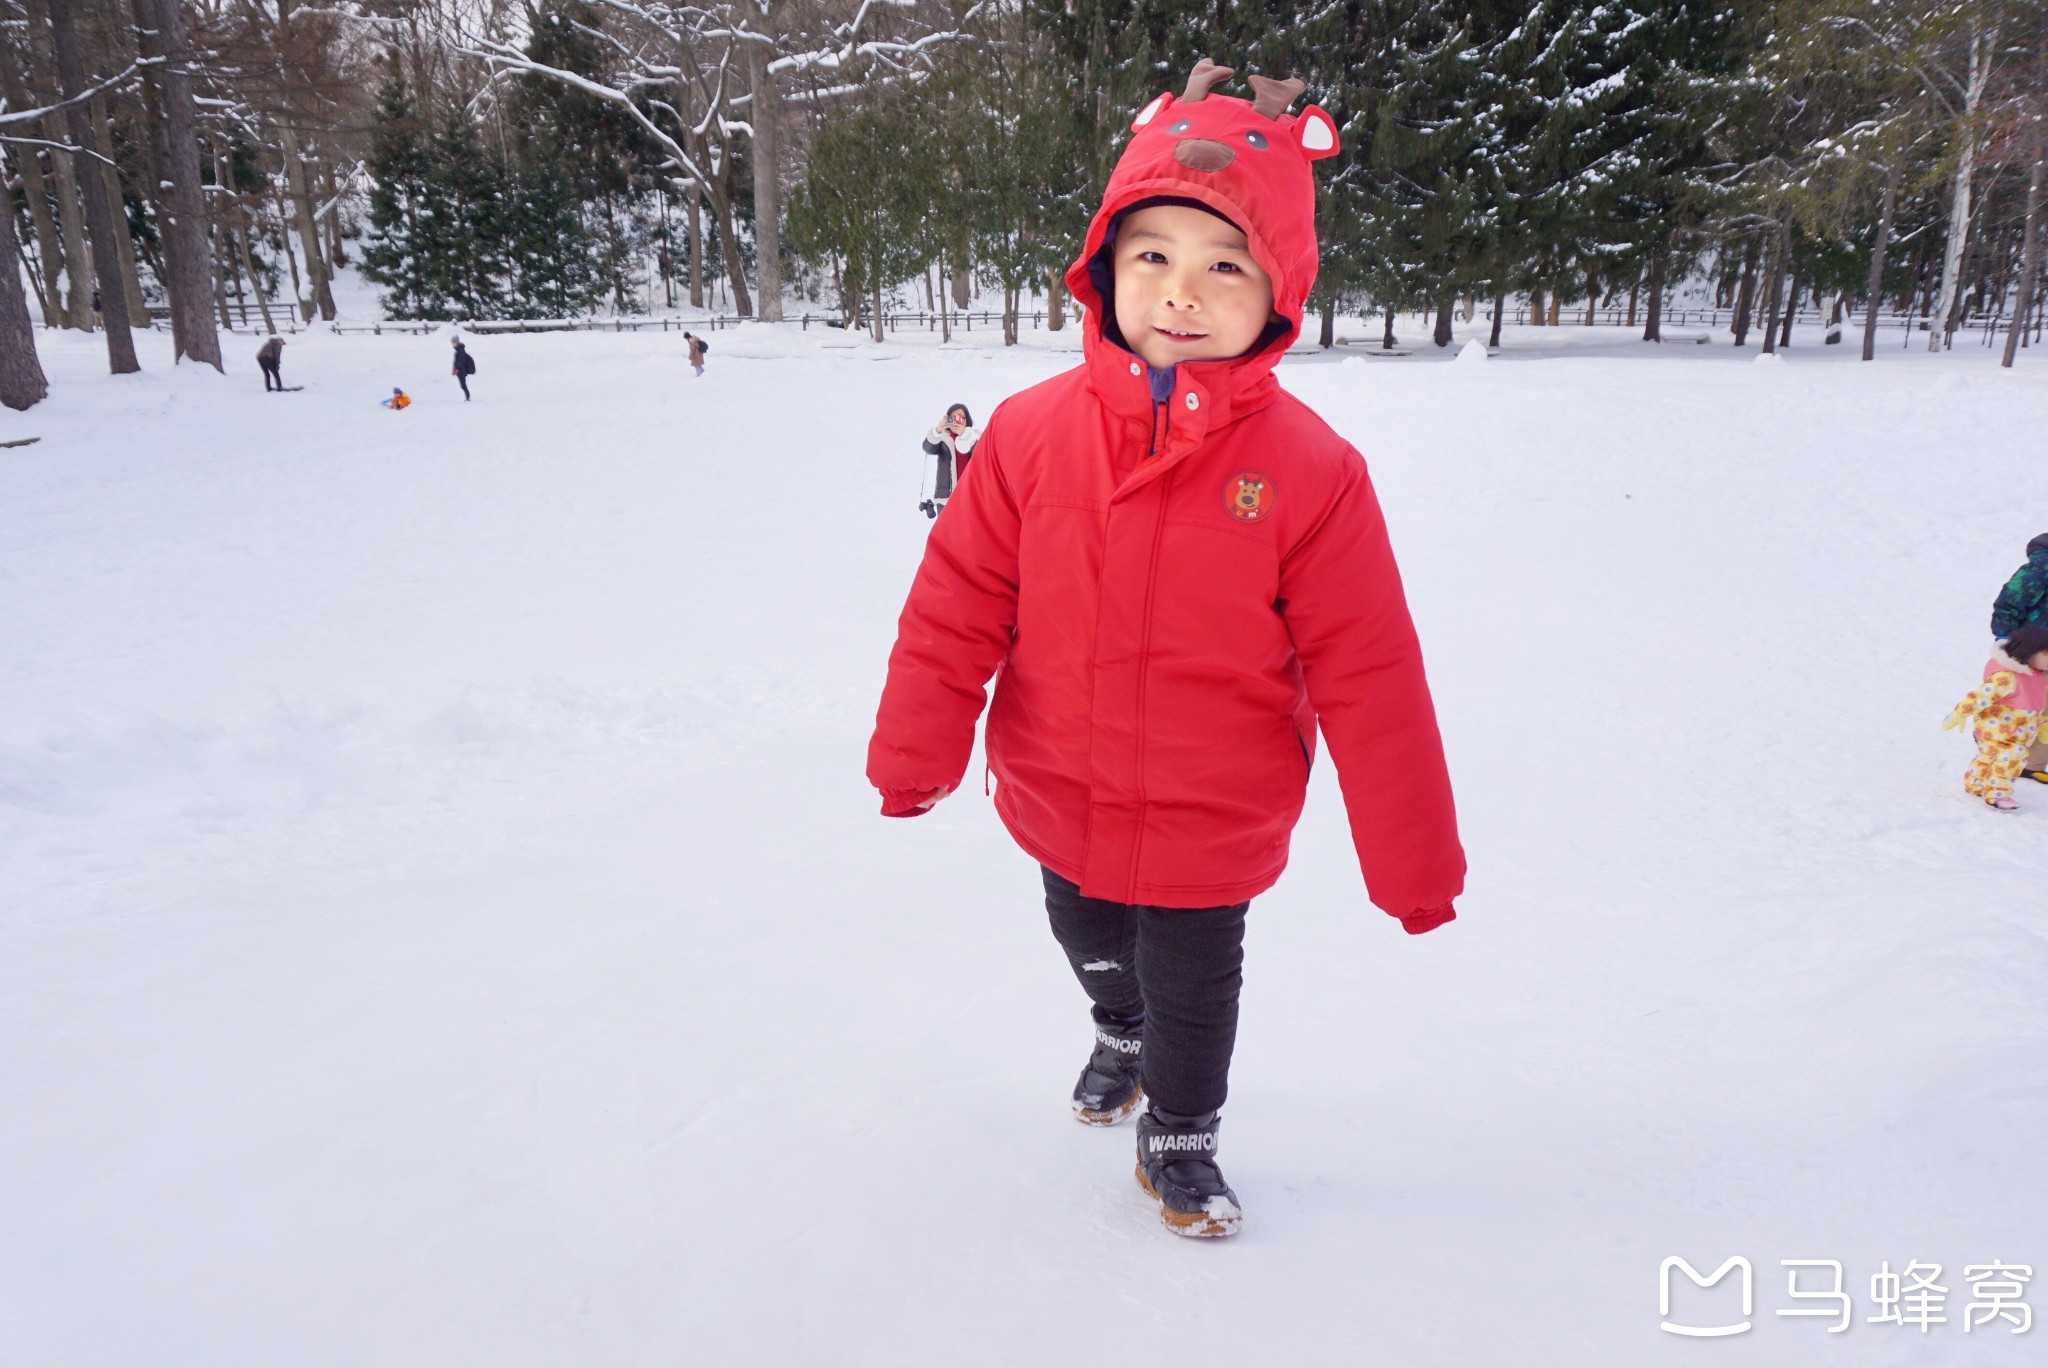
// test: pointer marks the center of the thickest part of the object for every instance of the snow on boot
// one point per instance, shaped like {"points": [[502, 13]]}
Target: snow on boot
{"points": [[1111, 1087], [1177, 1168]]}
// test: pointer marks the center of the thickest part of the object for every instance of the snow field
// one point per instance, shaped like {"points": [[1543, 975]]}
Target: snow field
{"points": [[442, 918]]}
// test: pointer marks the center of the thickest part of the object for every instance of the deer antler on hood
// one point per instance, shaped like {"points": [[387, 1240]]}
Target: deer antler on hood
{"points": [[1271, 97], [1204, 78]]}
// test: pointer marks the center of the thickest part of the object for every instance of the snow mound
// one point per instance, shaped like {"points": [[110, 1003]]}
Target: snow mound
{"points": [[1474, 350]]}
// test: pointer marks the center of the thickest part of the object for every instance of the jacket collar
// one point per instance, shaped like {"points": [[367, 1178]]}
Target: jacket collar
{"points": [[1206, 397], [2006, 662]]}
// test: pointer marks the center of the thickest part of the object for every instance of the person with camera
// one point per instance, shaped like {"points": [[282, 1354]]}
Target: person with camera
{"points": [[952, 442]]}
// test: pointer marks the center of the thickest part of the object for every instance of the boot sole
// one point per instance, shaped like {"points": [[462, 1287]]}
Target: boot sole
{"points": [[1088, 1116], [1196, 1225]]}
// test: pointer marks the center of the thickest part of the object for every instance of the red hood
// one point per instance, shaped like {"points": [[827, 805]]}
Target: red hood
{"points": [[1267, 191]]}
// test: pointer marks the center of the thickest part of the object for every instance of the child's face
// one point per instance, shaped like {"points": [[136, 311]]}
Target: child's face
{"points": [[1187, 288], [2038, 661]]}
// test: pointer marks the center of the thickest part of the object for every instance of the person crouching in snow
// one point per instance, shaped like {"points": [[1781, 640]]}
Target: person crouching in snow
{"points": [[399, 399], [1180, 572], [2008, 708], [2024, 600], [952, 442], [697, 350], [270, 357]]}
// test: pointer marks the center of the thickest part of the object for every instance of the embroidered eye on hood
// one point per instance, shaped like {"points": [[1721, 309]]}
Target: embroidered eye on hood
{"points": [[1249, 161]]}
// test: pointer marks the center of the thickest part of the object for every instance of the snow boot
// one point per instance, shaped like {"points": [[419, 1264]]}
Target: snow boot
{"points": [[2003, 804], [1177, 1168], [1112, 1086], [2038, 776]]}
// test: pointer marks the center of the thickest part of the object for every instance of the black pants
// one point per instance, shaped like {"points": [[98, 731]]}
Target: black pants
{"points": [[1179, 968], [270, 373], [463, 381]]}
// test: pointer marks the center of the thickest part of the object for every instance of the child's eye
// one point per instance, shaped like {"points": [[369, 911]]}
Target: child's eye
{"points": [[1156, 258], [1229, 266]]}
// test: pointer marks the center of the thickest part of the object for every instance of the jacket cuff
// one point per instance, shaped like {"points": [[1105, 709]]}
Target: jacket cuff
{"points": [[904, 802], [1427, 919]]}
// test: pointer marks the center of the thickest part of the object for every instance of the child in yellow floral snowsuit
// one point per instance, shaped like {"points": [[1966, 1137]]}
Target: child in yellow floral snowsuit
{"points": [[2008, 707]]}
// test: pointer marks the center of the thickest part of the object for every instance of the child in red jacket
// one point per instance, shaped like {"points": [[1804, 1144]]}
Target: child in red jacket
{"points": [[1181, 573]]}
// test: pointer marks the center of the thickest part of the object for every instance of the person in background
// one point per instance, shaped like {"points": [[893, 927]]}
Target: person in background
{"points": [[2007, 708], [2024, 601], [399, 399], [952, 442], [465, 366], [697, 350], [270, 356]]}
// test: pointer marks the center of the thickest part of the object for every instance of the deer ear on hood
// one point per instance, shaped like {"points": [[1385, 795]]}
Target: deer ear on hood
{"points": [[1316, 133], [1151, 111]]}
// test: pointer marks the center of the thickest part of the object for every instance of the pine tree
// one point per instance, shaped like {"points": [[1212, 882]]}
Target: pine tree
{"points": [[404, 210]]}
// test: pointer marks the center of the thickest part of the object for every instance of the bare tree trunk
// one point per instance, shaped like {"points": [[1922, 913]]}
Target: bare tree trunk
{"points": [[77, 264], [49, 246], [1327, 337], [1055, 300], [92, 190], [765, 114], [1877, 250], [963, 287], [735, 264], [131, 283], [2030, 257], [1387, 333], [77, 297], [1745, 292], [1635, 290], [1592, 297], [1442, 335], [875, 309], [1780, 248], [22, 383], [1500, 310], [255, 281], [35, 187], [337, 254], [180, 199], [1959, 194], [1536, 314], [691, 207], [946, 309], [301, 309], [309, 232], [1653, 325], [1791, 306]]}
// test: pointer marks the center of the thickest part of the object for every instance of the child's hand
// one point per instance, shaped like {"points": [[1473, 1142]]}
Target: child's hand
{"points": [[1953, 720], [928, 804]]}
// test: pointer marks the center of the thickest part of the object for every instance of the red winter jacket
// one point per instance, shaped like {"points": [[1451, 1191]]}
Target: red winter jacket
{"points": [[1168, 643]]}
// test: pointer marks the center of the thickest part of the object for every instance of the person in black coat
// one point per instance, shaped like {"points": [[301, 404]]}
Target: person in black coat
{"points": [[270, 356], [465, 366]]}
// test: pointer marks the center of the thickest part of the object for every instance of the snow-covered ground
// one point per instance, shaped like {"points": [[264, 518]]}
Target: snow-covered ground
{"points": [[443, 921]]}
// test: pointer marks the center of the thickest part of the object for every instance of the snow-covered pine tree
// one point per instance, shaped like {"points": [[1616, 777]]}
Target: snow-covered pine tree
{"points": [[405, 209]]}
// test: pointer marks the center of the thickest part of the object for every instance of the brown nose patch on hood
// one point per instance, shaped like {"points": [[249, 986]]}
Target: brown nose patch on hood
{"points": [[1203, 154]]}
